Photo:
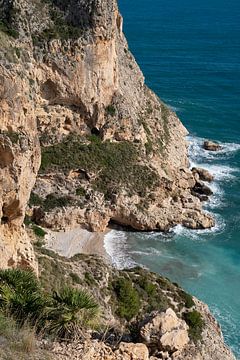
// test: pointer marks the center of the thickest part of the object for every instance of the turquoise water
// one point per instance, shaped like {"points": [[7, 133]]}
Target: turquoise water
{"points": [[189, 52]]}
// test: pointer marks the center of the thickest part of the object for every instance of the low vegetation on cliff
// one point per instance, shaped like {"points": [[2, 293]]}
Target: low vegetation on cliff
{"points": [[115, 164]]}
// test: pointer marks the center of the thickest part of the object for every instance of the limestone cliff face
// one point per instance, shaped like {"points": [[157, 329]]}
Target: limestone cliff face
{"points": [[111, 150]]}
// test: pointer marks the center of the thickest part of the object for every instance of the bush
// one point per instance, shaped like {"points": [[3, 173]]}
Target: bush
{"points": [[71, 310], [8, 29], [20, 295], [110, 110], [38, 231], [35, 200], [195, 322], [128, 299], [52, 201], [80, 191], [89, 279], [187, 298], [63, 314]]}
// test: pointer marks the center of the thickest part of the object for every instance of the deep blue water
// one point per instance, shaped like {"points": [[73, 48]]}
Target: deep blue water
{"points": [[189, 52]]}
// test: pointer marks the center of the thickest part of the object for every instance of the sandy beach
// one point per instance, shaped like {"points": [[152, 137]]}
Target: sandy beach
{"points": [[76, 241]]}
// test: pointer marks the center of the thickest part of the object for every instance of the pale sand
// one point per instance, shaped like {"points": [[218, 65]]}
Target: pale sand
{"points": [[76, 241]]}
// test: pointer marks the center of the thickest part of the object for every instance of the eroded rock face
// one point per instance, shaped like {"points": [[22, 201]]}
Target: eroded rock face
{"points": [[78, 80], [19, 163]]}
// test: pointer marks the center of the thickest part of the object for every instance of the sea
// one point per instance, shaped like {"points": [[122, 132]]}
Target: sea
{"points": [[189, 52]]}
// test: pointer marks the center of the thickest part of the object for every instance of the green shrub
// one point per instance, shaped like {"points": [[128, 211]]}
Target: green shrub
{"points": [[27, 220], [195, 322], [80, 191], [21, 295], [13, 136], [71, 310], [8, 29], [60, 29], [128, 298], [35, 200], [110, 110], [52, 201], [38, 231], [187, 298], [89, 279], [147, 286], [64, 313], [75, 278]]}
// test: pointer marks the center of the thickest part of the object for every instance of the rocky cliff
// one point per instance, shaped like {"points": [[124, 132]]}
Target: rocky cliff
{"points": [[73, 98], [83, 141]]}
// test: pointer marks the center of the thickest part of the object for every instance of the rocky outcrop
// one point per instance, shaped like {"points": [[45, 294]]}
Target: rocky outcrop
{"points": [[19, 163], [202, 174], [167, 323], [211, 146], [111, 150], [165, 332]]}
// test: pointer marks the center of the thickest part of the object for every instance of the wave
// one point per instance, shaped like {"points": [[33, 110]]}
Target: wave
{"points": [[197, 152], [180, 231], [116, 246]]}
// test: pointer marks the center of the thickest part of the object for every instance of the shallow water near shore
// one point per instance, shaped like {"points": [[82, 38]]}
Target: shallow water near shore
{"points": [[189, 53]]}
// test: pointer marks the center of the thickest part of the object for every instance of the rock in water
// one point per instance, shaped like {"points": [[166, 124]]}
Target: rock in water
{"points": [[202, 174], [211, 146]]}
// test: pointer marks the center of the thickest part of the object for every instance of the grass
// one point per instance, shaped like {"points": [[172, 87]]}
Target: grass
{"points": [[115, 163]]}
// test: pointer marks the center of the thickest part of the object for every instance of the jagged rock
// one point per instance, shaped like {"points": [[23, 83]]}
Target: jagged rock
{"points": [[165, 331], [130, 351], [202, 174], [202, 189], [211, 146]]}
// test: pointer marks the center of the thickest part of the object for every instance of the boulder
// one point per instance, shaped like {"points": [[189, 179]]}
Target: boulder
{"points": [[131, 351], [165, 331], [202, 189], [202, 174], [174, 340], [211, 146]]}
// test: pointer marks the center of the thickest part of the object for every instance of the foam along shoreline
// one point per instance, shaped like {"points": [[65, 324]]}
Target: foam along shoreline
{"points": [[76, 241]]}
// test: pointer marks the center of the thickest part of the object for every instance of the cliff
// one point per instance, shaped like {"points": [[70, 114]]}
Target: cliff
{"points": [[83, 141], [73, 98]]}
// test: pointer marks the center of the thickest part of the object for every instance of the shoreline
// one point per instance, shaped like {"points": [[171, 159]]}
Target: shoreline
{"points": [[77, 241]]}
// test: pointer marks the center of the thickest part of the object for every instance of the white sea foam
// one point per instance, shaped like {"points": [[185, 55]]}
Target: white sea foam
{"points": [[179, 230], [116, 246], [147, 252], [196, 151]]}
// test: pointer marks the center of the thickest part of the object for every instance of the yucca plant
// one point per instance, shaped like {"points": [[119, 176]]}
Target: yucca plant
{"points": [[72, 310], [21, 295]]}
